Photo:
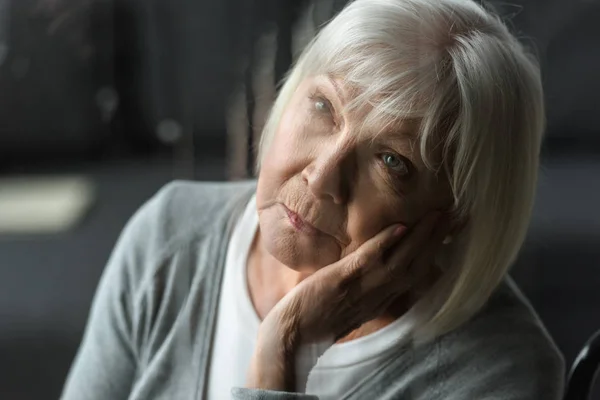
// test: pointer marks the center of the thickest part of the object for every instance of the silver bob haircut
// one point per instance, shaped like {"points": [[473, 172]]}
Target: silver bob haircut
{"points": [[455, 67]]}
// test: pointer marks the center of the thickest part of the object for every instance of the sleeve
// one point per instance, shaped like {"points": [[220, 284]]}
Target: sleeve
{"points": [[257, 394], [105, 364]]}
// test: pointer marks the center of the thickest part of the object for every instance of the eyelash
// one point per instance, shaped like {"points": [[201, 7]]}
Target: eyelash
{"points": [[408, 164]]}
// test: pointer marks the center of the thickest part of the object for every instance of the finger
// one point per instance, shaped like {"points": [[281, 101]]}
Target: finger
{"points": [[375, 247], [423, 271], [394, 268], [411, 269], [413, 244], [421, 243]]}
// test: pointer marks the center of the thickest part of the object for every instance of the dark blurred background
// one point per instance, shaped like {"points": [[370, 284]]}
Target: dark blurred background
{"points": [[104, 101]]}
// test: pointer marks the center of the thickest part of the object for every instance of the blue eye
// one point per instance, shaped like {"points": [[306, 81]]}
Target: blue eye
{"points": [[321, 105], [395, 163]]}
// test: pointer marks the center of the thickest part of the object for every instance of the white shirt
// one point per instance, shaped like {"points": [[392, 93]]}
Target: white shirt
{"points": [[326, 370]]}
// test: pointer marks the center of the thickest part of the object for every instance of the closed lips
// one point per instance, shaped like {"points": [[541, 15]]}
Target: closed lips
{"points": [[300, 223]]}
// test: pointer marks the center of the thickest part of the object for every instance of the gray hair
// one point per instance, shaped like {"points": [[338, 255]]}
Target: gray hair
{"points": [[456, 67]]}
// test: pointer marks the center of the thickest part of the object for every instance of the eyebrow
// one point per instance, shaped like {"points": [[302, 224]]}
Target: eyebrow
{"points": [[397, 134], [392, 134], [404, 131], [399, 139], [336, 87]]}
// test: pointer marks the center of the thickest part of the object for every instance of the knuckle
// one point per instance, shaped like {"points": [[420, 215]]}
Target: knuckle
{"points": [[396, 270], [338, 287], [380, 248], [361, 260], [353, 268]]}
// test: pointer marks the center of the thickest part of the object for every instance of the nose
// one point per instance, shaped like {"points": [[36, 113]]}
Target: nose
{"points": [[328, 175]]}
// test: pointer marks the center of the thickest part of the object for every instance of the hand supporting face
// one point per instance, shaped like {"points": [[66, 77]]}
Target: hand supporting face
{"points": [[344, 295]]}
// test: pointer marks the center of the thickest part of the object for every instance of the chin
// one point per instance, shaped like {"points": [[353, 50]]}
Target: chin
{"points": [[296, 250]]}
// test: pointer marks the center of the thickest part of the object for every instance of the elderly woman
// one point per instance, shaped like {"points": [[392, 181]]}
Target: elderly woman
{"points": [[369, 260]]}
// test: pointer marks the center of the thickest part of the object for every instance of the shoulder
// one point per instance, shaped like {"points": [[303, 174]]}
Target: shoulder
{"points": [[177, 235], [504, 352], [178, 215], [193, 206], [182, 210]]}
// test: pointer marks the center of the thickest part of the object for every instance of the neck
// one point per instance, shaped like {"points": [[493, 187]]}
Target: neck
{"points": [[270, 280]]}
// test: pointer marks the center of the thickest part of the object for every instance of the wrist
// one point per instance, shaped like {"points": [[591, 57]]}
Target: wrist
{"points": [[269, 373], [272, 366], [281, 336]]}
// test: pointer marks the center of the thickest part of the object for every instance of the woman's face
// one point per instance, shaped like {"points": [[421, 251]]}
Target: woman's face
{"points": [[324, 189]]}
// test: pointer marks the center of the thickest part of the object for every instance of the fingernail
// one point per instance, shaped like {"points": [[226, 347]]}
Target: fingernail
{"points": [[400, 229]]}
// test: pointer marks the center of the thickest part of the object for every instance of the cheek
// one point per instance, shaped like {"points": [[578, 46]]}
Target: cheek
{"points": [[436, 196], [281, 163], [369, 215], [287, 148], [375, 207]]}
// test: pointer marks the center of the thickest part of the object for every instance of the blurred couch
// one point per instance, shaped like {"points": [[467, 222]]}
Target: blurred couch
{"points": [[99, 78]]}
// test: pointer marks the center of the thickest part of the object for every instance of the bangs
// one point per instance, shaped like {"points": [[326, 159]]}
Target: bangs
{"points": [[394, 85]]}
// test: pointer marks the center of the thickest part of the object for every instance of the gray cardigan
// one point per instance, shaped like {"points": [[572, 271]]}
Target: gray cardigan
{"points": [[152, 321]]}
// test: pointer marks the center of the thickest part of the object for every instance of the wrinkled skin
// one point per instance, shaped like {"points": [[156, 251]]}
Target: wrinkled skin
{"points": [[348, 186], [329, 200]]}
